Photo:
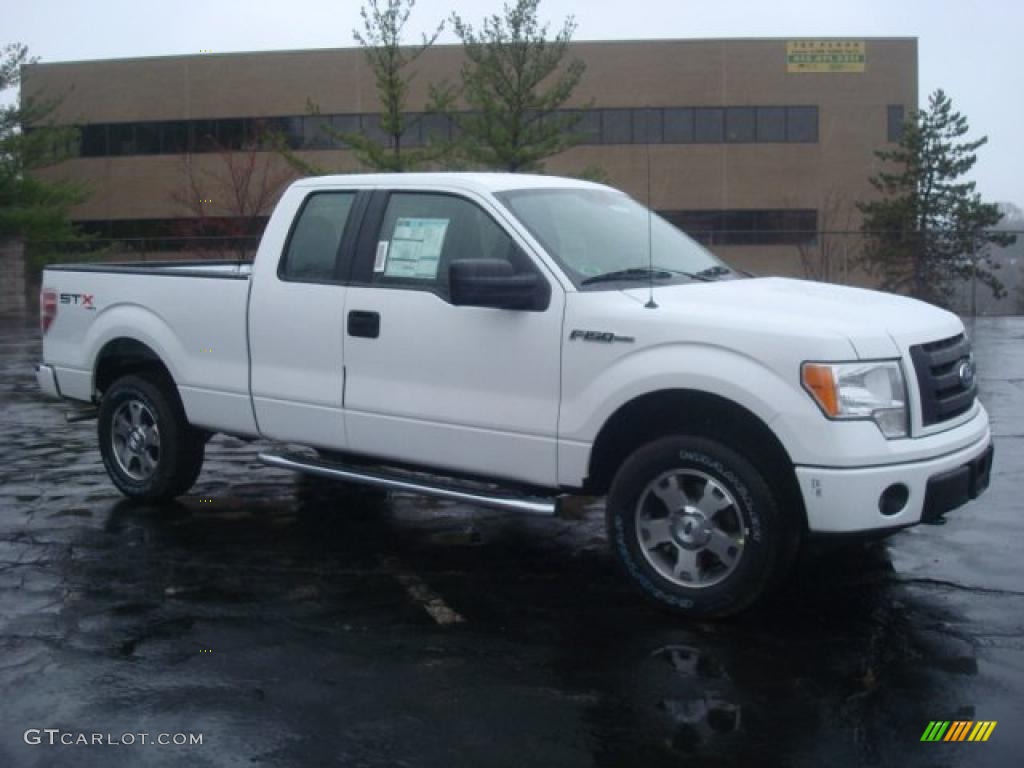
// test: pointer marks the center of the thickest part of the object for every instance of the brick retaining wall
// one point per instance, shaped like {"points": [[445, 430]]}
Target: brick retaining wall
{"points": [[12, 277]]}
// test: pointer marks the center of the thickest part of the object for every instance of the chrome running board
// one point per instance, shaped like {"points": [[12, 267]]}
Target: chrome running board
{"points": [[392, 481]]}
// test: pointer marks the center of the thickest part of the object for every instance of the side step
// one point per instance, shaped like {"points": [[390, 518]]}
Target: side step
{"points": [[393, 481]]}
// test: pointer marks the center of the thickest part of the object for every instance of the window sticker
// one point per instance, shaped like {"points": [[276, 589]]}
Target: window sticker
{"points": [[382, 256], [415, 250]]}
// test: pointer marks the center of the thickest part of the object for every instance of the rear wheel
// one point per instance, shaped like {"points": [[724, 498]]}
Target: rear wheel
{"points": [[695, 526], [148, 447]]}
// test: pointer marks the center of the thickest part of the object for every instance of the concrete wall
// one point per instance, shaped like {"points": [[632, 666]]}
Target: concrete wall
{"points": [[12, 276]]}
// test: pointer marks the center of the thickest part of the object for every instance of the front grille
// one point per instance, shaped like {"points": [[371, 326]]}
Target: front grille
{"points": [[945, 394]]}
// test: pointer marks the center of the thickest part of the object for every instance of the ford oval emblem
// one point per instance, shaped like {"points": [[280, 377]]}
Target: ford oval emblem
{"points": [[966, 373]]}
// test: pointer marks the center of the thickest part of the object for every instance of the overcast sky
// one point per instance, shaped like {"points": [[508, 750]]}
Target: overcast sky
{"points": [[970, 49]]}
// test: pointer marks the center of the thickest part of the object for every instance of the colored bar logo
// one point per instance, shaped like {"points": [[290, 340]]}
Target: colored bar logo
{"points": [[958, 730]]}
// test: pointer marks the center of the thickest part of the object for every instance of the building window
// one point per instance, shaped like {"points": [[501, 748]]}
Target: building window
{"points": [[678, 125], [616, 126], [771, 124], [232, 134], [650, 125], [174, 138], [748, 226], [709, 125], [94, 141], [588, 126], [373, 131], [802, 124], [739, 124], [203, 136], [314, 132], [647, 127], [147, 138], [122, 139], [342, 125], [413, 134], [436, 128], [895, 119]]}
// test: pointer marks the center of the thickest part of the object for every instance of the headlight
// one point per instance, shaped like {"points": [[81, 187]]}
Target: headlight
{"points": [[869, 390]]}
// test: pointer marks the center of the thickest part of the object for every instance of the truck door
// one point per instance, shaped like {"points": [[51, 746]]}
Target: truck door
{"points": [[473, 389], [296, 324]]}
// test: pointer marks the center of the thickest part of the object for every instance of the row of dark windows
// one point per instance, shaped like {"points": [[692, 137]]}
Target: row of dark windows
{"points": [[746, 226], [789, 226], [670, 125]]}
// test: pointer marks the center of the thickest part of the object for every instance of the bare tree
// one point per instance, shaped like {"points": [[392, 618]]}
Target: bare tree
{"points": [[392, 62], [228, 193], [830, 255]]}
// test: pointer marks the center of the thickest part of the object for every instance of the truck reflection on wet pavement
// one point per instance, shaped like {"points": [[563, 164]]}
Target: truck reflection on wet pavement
{"points": [[294, 621]]}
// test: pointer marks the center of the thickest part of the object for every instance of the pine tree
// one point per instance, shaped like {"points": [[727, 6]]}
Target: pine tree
{"points": [[32, 207], [931, 228]]}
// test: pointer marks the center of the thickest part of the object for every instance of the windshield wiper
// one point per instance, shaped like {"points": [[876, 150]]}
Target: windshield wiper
{"points": [[715, 271], [633, 273]]}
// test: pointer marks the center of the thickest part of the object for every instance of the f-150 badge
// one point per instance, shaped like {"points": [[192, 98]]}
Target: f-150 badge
{"points": [[606, 337]]}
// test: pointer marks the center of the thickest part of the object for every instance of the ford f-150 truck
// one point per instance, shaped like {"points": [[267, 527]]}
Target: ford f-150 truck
{"points": [[510, 339]]}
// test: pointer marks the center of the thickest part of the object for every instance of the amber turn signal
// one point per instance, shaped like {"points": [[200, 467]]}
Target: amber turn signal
{"points": [[820, 381]]}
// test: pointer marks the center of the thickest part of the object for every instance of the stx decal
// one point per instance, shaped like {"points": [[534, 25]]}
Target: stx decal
{"points": [[83, 300]]}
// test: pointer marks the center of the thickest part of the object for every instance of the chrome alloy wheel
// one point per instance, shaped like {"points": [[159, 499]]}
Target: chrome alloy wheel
{"points": [[689, 528], [135, 439]]}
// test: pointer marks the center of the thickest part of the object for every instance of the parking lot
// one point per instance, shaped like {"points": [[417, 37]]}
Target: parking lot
{"points": [[297, 622]]}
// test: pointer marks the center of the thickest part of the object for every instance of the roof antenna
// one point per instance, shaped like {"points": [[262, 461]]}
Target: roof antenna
{"points": [[651, 303]]}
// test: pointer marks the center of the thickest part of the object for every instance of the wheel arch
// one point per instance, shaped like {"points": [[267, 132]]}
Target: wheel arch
{"points": [[129, 337], [125, 355], [697, 413]]}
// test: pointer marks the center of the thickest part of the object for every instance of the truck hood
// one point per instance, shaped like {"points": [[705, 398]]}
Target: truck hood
{"points": [[877, 324]]}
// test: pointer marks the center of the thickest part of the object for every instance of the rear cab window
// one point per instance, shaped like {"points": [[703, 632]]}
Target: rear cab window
{"points": [[313, 252]]}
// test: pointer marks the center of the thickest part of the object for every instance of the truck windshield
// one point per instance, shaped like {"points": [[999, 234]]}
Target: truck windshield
{"points": [[603, 238]]}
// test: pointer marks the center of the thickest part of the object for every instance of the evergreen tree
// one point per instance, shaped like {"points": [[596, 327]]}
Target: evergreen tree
{"points": [[30, 206], [930, 228], [514, 82]]}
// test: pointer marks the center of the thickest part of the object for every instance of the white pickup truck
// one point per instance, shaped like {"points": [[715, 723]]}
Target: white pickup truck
{"points": [[510, 339]]}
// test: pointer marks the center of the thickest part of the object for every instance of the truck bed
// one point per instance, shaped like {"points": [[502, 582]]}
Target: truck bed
{"points": [[193, 318]]}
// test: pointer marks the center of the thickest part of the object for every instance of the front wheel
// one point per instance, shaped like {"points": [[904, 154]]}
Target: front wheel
{"points": [[695, 526], [148, 447]]}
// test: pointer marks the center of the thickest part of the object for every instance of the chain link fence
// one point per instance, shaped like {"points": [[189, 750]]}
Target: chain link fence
{"points": [[837, 256]]}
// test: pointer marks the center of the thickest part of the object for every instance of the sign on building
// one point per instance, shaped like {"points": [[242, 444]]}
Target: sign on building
{"points": [[825, 56]]}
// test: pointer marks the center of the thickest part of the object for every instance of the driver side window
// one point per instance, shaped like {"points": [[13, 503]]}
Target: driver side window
{"points": [[423, 233]]}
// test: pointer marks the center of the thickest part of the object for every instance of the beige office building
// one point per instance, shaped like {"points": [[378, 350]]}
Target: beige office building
{"points": [[752, 145]]}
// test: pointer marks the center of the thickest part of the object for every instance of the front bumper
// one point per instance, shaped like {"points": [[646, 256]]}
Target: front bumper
{"points": [[848, 500], [47, 380], [956, 487]]}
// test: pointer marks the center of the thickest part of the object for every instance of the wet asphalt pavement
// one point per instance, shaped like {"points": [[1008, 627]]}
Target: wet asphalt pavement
{"points": [[294, 622]]}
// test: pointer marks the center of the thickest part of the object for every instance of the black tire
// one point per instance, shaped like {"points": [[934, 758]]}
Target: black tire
{"points": [[174, 463], [750, 518]]}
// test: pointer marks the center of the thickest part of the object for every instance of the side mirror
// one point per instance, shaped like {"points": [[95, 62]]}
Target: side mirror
{"points": [[494, 283]]}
